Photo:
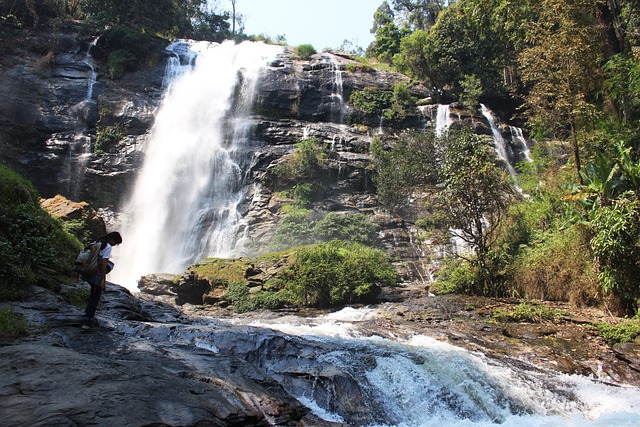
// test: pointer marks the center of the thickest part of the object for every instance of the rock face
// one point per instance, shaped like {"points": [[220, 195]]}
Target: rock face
{"points": [[93, 224]]}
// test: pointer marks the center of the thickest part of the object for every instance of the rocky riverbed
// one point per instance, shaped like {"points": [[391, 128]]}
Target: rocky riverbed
{"points": [[153, 363]]}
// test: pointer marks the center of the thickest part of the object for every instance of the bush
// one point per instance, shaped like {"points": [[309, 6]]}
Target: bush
{"points": [[305, 161], [349, 227], [304, 51], [455, 277], [336, 273], [34, 247], [107, 137], [627, 331], [12, 325]]}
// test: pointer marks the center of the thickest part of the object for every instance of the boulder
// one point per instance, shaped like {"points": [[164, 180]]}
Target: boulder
{"points": [[93, 226]]}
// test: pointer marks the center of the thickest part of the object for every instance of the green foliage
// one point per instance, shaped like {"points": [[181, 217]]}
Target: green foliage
{"points": [[387, 35], [348, 227], [611, 211], [336, 273], [371, 100], [622, 82], [12, 325], [455, 277], [471, 89], [475, 200], [305, 161], [627, 331], [295, 229], [304, 51], [33, 245], [371, 103], [298, 227], [528, 313], [410, 164], [107, 138]]}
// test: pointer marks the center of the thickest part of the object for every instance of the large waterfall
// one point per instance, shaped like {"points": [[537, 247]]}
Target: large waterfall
{"points": [[185, 203]]}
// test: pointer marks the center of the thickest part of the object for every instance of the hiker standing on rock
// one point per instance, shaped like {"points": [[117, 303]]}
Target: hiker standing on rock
{"points": [[98, 278]]}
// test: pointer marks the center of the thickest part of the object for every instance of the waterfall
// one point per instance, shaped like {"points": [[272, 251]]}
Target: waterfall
{"points": [[498, 141], [443, 120], [185, 204], [88, 61], [337, 95], [518, 135]]}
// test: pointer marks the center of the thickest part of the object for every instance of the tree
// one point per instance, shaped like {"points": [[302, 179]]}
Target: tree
{"points": [[561, 66], [455, 46], [388, 35], [475, 200], [411, 164], [419, 14]]}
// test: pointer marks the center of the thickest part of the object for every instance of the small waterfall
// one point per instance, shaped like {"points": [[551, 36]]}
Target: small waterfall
{"points": [[337, 94], [498, 141], [88, 61], [518, 135], [186, 201], [443, 120]]}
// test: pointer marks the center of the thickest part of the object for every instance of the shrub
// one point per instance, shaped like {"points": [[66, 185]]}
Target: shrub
{"points": [[295, 229], [350, 227], [107, 137], [627, 331], [305, 161], [12, 325], [336, 273], [527, 312], [455, 277], [304, 51], [34, 246]]}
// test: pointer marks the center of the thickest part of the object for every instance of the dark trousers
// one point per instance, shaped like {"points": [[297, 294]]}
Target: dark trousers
{"points": [[94, 298]]}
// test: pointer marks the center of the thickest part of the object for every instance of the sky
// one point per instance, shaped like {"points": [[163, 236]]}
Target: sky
{"points": [[321, 23]]}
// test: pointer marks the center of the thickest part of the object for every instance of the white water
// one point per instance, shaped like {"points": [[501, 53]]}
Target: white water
{"points": [[91, 81], [423, 382], [185, 202], [498, 141], [443, 120], [518, 135], [337, 92]]}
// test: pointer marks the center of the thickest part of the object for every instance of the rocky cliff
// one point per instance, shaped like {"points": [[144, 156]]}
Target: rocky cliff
{"points": [[57, 104]]}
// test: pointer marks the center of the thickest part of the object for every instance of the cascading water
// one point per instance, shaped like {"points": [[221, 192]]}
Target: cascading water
{"points": [[186, 200], [518, 135], [337, 95], [498, 141], [88, 61], [423, 382], [443, 120]]}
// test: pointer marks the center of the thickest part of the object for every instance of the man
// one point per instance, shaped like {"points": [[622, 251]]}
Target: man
{"points": [[98, 279]]}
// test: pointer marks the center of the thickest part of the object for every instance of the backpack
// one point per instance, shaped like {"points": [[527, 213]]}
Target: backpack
{"points": [[88, 259]]}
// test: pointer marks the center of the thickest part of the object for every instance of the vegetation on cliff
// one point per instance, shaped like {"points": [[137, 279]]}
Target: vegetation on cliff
{"points": [[34, 247]]}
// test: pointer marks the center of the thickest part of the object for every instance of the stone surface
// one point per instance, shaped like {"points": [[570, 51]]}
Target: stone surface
{"points": [[149, 363]]}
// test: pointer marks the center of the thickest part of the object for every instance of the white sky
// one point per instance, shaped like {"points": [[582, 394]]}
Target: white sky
{"points": [[322, 23]]}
